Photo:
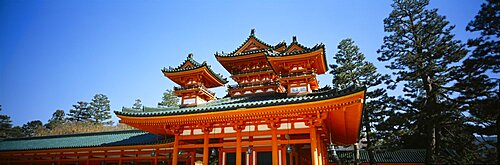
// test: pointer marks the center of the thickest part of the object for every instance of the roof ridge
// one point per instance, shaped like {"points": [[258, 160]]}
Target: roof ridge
{"points": [[76, 134], [252, 35]]}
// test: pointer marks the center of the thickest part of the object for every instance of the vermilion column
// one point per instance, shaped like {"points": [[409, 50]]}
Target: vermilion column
{"points": [[238, 147], [314, 147], [275, 146], [206, 140], [176, 149], [319, 149]]}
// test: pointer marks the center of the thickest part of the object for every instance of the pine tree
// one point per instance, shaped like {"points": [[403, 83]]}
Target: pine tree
{"points": [[80, 112], [5, 125], [478, 91], [485, 56], [169, 99], [421, 51], [350, 69], [57, 119], [31, 127], [100, 108]]}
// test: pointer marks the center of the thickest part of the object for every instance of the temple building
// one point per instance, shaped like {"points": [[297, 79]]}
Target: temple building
{"points": [[275, 114]]}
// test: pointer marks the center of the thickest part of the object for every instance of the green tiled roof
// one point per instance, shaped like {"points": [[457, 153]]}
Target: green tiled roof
{"points": [[83, 140], [306, 50], [251, 101], [398, 156], [196, 66]]}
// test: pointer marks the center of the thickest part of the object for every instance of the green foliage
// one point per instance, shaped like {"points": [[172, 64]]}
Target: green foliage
{"points": [[485, 56], [169, 99], [479, 92], [5, 125], [30, 128], [423, 55], [15, 132], [80, 112], [100, 108], [351, 68], [57, 117]]}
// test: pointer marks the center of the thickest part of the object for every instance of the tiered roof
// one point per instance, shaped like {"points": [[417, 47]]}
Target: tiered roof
{"points": [[190, 66], [296, 51]]}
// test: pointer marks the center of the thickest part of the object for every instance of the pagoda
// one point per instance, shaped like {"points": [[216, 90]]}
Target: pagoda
{"points": [[249, 67], [258, 67], [194, 80], [274, 114]]}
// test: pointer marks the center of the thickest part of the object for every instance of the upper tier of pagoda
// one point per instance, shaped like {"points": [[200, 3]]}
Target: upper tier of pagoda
{"points": [[194, 79], [258, 67]]}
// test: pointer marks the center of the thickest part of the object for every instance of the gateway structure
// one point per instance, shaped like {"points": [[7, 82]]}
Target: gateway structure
{"points": [[275, 114]]}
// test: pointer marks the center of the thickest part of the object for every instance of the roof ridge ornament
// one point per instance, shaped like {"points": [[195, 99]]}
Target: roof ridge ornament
{"points": [[294, 39], [252, 32], [190, 56]]}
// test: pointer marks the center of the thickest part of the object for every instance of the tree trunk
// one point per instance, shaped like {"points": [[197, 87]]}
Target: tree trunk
{"points": [[498, 134], [431, 144], [429, 111]]}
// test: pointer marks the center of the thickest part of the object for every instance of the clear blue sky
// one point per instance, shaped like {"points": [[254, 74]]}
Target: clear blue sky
{"points": [[55, 53]]}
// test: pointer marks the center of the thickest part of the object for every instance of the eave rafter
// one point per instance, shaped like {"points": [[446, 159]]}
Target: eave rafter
{"points": [[292, 110]]}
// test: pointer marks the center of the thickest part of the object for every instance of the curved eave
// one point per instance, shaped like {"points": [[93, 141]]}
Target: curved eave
{"points": [[215, 79], [245, 55], [319, 52], [251, 36], [286, 101], [343, 117]]}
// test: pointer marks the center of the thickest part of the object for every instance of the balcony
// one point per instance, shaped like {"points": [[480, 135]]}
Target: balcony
{"points": [[297, 74], [197, 86], [258, 84]]}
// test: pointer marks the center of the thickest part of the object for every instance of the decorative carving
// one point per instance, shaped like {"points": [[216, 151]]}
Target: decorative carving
{"points": [[238, 125], [273, 122]]}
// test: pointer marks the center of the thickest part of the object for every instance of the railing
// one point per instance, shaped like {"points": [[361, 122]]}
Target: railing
{"points": [[199, 86], [251, 71], [268, 83], [296, 74]]}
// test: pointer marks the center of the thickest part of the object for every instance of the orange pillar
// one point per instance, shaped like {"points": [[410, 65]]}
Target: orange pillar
{"points": [[238, 147], [175, 153], [283, 155], [314, 148], [275, 146], [193, 156], [319, 149], [205, 147]]}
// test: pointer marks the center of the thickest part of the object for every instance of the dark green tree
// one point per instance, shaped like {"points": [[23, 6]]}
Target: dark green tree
{"points": [[479, 92], [100, 108], [15, 132], [81, 112], [30, 128], [169, 99], [137, 104], [58, 117], [485, 55], [351, 69], [5, 125], [422, 52]]}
